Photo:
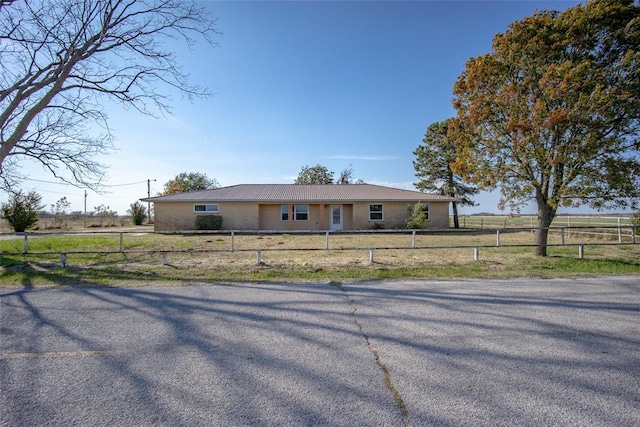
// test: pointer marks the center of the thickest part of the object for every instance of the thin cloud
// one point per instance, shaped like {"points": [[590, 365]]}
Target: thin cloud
{"points": [[374, 158], [401, 185]]}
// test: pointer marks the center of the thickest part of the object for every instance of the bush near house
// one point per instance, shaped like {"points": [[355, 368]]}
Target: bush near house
{"points": [[418, 217], [208, 222], [138, 213]]}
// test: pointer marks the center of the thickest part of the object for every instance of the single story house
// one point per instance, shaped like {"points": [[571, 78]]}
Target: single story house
{"points": [[290, 207]]}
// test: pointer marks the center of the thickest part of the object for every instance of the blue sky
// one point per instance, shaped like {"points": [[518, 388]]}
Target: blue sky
{"points": [[303, 83]]}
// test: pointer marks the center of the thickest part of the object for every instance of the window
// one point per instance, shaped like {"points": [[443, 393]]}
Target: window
{"points": [[300, 212], [375, 212], [425, 209], [206, 208]]}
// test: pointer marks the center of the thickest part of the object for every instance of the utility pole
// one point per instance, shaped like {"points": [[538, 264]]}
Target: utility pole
{"points": [[85, 209], [149, 195]]}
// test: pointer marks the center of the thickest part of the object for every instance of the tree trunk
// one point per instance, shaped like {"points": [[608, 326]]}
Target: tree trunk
{"points": [[456, 221], [545, 217]]}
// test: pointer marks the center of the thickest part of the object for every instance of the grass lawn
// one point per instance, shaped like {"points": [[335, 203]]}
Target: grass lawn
{"points": [[156, 259]]}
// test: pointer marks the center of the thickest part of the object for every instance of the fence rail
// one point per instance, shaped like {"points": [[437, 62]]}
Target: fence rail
{"points": [[530, 221]]}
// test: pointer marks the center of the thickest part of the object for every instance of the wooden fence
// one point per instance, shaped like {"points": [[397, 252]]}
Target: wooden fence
{"points": [[530, 221], [625, 236]]}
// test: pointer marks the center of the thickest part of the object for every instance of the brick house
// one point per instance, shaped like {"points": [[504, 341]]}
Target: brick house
{"points": [[289, 207]]}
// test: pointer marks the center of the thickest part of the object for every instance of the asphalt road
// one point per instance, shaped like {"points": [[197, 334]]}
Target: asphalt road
{"points": [[470, 353]]}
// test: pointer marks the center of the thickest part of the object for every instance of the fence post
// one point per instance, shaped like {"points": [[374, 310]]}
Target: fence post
{"points": [[619, 231], [633, 235], [371, 255], [326, 241], [581, 251], [233, 243], [164, 259], [63, 259], [562, 234], [497, 237], [258, 256], [26, 243], [476, 253], [413, 240], [121, 241]]}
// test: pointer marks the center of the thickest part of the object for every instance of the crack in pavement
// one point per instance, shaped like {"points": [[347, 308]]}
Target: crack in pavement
{"points": [[397, 397]]}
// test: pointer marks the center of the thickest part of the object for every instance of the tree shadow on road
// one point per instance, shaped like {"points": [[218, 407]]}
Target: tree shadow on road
{"points": [[517, 352], [210, 355]]}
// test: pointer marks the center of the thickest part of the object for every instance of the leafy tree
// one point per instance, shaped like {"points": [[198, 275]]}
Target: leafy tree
{"points": [[433, 166], [21, 210], [314, 175], [552, 114], [61, 61], [189, 181], [138, 212]]}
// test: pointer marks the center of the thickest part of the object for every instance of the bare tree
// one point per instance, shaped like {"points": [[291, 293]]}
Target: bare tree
{"points": [[346, 177], [5, 3], [60, 61]]}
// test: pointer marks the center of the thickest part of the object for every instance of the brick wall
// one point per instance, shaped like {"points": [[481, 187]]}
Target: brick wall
{"points": [[251, 216]]}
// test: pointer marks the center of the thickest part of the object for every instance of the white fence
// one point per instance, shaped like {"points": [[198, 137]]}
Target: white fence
{"points": [[623, 235], [530, 221], [614, 227]]}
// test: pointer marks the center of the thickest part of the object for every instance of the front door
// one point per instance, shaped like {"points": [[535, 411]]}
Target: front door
{"points": [[336, 217]]}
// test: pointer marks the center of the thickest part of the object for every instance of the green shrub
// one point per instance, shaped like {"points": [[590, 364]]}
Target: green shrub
{"points": [[21, 210], [417, 218], [208, 222], [138, 213]]}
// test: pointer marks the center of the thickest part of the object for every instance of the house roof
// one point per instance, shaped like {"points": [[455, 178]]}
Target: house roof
{"points": [[281, 193]]}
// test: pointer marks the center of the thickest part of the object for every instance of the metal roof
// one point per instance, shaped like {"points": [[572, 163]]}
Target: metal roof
{"points": [[283, 193]]}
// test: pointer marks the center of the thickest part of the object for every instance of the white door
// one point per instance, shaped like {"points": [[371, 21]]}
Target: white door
{"points": [[336, 217]]}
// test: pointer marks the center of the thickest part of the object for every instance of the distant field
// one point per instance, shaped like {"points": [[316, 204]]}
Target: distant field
{"points": [[466, 221], [91, 222], [530, 221]]}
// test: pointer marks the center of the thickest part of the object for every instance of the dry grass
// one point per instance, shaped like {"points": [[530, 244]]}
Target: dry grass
{"points": [[156, 258]]}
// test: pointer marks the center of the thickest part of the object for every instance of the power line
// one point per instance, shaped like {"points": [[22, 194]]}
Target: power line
{"points": [[49, 191], [71, 185], [123, 185]]}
